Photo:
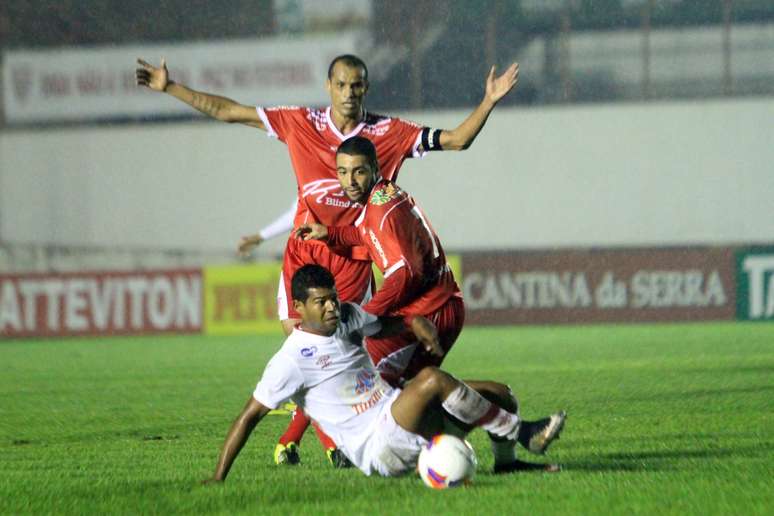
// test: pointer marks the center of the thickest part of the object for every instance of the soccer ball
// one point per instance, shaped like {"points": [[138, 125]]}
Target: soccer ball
{"points": [[446, 461]]}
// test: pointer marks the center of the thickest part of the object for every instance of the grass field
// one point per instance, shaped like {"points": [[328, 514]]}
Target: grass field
{"points": [[662, 419]]}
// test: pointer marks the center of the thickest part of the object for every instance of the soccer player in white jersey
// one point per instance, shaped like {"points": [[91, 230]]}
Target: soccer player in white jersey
{"points": [[324, 369]]}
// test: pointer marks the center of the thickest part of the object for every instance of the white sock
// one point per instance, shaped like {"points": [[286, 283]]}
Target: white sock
{"points": [[470, 407]]}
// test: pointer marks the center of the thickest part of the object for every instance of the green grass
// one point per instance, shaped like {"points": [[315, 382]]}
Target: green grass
{"points": [[662, 419]]}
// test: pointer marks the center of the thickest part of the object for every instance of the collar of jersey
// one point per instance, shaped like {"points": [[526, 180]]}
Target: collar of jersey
{"points": [[335, 129], [309, 335]]}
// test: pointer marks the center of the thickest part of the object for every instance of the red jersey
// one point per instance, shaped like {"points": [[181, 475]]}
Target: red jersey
{"points": [[312, 140], [404, 246]]}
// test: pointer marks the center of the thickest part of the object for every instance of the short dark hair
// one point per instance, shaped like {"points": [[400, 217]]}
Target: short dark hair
{"points": [[349, 60], [310, 276], [359, 146]]}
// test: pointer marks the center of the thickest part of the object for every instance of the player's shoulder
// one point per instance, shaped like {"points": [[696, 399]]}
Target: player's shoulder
{"points": [[301, 115], [377, 124], [285, 109], [385, 195]]}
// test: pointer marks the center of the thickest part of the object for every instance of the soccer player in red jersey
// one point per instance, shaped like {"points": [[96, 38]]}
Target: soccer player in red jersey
{"points": [[418, 282], [406, 249], [312, 136]]}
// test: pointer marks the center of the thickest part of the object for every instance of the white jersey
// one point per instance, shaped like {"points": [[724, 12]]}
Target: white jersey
{"points": [[333, 380]]}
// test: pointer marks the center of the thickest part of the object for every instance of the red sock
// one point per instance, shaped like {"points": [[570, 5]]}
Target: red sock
{"points": [[326, 441], [296, 428]]}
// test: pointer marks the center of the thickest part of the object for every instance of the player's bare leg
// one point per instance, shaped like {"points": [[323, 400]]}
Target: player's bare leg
{"points": [[433, 389], [416, 410]]}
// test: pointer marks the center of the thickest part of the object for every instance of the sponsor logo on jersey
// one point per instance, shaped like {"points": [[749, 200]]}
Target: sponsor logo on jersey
{"points": [[328, 192], [378, 247], [359, 408], [324, 361], [308, 352]]}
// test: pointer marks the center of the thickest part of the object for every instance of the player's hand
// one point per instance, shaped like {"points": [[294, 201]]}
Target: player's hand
{"points": [[497, 88], [154, 78], [247, 244], [312, 232], [427, 335]]}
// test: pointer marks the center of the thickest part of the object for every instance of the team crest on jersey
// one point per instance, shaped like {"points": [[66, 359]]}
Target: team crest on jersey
{"points": [[364, 381], [384, 195]]}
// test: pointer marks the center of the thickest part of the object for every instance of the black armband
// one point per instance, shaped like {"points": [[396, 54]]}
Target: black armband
{"points": [[431, 139]]}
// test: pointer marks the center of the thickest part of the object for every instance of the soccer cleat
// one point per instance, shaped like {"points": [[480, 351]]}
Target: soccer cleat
{"points": [[518, 466], [286, 455], [337, 458], [536, 436]]}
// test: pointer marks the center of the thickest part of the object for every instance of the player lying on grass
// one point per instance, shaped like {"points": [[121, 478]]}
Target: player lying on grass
{"points": [[324, 369]]}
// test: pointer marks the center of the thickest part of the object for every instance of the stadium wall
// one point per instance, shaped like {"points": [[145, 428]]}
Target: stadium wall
{"points": [[602, 175], [543, 287]]}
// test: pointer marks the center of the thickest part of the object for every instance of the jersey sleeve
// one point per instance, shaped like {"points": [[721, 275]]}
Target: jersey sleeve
{"points": [[281, 379], [343, 236], [279, 121], [357, 320], [281, 225], [396, 291], [387, 239], [411, 138], [393, 240]]}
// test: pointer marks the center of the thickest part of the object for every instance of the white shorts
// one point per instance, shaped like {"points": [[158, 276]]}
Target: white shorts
{"points": [[392, 450]]}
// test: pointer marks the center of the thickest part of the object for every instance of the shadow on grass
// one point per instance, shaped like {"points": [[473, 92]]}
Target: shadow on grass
{"points": [[685, 395], [621, 440], [659, 460]]}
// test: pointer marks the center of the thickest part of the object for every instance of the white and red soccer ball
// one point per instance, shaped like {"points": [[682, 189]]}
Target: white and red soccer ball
{"points": [[447, 461]]}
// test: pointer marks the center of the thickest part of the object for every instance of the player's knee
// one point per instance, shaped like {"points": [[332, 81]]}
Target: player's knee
{"points": [[500, 394], [510, 402], [430, 379]]}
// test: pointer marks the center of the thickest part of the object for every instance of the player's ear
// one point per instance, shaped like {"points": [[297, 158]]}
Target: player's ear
{"points": [[300, 307]]}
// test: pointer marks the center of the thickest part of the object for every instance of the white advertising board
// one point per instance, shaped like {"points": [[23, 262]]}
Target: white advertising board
{"points": [[99, 83]]}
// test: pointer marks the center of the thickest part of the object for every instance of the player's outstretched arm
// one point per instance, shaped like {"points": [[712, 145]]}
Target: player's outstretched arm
{"points": [[220, 108], [279, 226], [237, 436], [496, 88]]}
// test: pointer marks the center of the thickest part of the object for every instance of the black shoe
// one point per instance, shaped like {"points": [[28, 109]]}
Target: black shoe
{"points": [[518, 466], [337, 459], [536, 436]]}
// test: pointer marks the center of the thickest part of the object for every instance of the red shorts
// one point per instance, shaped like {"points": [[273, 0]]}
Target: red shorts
{"points": [[401, 356], [353, 277]]}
